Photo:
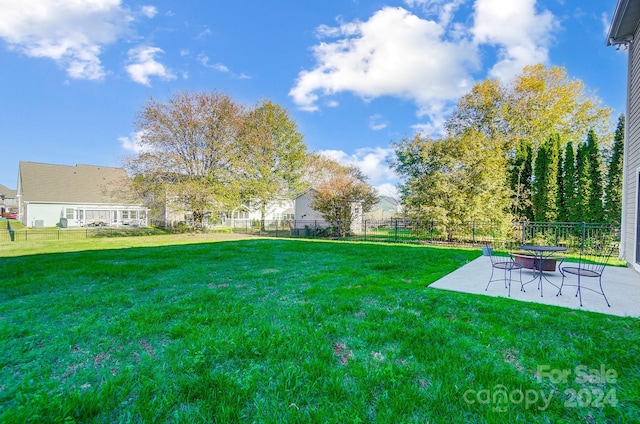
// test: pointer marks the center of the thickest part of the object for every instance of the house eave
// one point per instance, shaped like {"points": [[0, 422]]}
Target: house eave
{"points": [[624, 23]]}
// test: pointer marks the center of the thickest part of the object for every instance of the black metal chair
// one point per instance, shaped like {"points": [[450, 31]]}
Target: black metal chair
{"points": [[507, 265], [592, 263]]}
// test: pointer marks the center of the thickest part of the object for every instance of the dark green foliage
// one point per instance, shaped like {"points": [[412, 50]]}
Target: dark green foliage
{"points": [[569, 186], [520, 176], [596, 188], [561, 207], [613, 192], [545, 183], [583, 188]]}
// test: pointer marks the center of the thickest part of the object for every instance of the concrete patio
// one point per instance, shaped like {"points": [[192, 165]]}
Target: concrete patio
{"points": [[621, 285]]}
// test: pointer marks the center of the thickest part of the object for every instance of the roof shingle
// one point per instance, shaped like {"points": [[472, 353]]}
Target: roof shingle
{"points": [[42, 182]]}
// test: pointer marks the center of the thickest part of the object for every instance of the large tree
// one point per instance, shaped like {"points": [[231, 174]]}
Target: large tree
{"points": [[274, 153], [583, 187], [596, 188], [452, 181], [520, 176], [189, 154], [536, 105], [342, 193], [545, 184], [569, 187], [613, 192]]}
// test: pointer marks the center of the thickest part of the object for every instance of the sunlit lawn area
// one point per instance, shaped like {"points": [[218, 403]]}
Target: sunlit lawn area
{"points": [[188, 329]]}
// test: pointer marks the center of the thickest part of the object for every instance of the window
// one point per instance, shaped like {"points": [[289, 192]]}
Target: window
{"points": [[80, 214], [241, 215], [125, 214], [68, 213], [133, 214]]}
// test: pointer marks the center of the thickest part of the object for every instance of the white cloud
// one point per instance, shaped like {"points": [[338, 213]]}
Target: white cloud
{"points": [[394, 53], [132, 143], [521, 35], [204, 33], [72, 33], [377, 122], [372, 161], [143, 65], [388, 189], [443, 9], [149, 11], [430, 61], [204, 61]]}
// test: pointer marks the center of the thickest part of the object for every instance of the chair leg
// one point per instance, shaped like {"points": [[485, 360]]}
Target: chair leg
{"points": [[561, 285], [490, 279], [579, 292], [602, 291]]}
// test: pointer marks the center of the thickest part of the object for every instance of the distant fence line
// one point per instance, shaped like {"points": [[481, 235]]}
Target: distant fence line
{"points": [[473, 233], [75, 233], [392, 230]]}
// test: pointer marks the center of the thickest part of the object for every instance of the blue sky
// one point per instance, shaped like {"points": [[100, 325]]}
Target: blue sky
{"points": [[354, 74]]}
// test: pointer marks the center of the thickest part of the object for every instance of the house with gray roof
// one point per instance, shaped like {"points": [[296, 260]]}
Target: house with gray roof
{"points": [[7, 199], [75, 196]]}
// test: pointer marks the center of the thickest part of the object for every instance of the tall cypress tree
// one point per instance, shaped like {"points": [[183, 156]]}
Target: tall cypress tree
{"points": [[596, 186], [560, 200], [582, 184], [545, 183], [613, 192], [569, 186], [520, 181]]}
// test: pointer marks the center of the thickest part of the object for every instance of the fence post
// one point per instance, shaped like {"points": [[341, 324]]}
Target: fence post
{"points": [[473, 233], [396, 231], [365, 230]]}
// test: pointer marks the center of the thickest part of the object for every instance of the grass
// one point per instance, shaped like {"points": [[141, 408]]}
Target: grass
{"points": [[189, 329]]}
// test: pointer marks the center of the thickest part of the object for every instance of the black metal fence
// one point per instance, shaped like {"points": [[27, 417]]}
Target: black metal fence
{"points": [[393, 230], [75, 234], [401, 230]]}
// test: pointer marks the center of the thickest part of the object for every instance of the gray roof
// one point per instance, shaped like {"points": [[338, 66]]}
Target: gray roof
{"points": [[7, 192], [43, 182], [624, 23]]}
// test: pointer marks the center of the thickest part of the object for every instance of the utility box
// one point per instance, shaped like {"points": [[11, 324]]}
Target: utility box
{"points": [[38, 223]]}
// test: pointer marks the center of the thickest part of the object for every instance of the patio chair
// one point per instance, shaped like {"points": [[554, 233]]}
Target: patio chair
{"points": [[591, 264], [507, 265]]}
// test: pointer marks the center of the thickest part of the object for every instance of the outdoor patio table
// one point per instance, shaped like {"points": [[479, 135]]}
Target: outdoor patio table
{"points": [[540, 253]]}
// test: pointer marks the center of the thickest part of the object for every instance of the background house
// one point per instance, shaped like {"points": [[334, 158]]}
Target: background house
{"points": [[74, 196], [277, 210], [623, 33], [305, 216], [308, 218], [387, 207], [7, 200]]}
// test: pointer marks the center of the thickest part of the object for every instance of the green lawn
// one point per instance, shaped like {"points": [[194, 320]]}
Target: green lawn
{"points": [[188, 329]]}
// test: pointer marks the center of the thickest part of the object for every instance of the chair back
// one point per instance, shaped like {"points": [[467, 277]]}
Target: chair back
{"points": [[595, 255], [497, 259]]}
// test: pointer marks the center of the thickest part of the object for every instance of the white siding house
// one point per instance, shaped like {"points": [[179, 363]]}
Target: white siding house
{"points": [[7, 200], [74, 196], [623, 33], [309, 218]]}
